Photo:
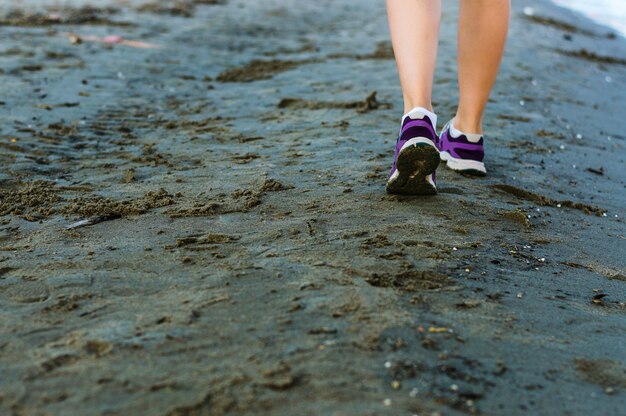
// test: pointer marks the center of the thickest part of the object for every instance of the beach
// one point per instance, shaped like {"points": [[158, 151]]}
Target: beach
{"points": [[193, 218]]}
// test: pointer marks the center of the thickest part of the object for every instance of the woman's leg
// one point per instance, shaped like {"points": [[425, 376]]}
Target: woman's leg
{"points": [[414, 26], [483, 26]]}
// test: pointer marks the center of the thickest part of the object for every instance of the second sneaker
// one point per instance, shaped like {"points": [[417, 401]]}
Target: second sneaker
{"points": [[462, 152]]}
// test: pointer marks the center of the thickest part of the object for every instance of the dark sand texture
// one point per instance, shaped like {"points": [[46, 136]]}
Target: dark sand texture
{"points": [[202, 228]]}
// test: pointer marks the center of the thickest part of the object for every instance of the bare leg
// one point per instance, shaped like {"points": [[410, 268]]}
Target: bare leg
{"points": [[414, 26], [483, 26]]}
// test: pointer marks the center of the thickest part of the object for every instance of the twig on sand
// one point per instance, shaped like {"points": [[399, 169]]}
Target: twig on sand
{"points": [[109, 40], [92, 221]]}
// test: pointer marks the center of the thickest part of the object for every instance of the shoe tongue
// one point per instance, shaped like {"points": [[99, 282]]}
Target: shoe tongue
{"points": [[419, 113]]}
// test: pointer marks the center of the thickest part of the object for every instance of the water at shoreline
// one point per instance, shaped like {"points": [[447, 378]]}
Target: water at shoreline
{"points": [[611, 13]]}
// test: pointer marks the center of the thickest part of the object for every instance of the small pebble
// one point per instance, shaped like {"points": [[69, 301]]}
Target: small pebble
{"points": [[437, 330], [387, 402]]}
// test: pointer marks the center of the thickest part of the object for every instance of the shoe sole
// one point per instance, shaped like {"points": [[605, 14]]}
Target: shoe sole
{"points": [[469, 167], [415, 163]]}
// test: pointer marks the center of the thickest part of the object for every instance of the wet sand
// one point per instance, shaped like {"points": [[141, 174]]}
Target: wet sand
{"points": [[201, 228]]}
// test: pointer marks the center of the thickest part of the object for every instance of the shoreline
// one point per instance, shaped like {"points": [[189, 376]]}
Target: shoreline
{"points": [[240, 254], [604, 18]]}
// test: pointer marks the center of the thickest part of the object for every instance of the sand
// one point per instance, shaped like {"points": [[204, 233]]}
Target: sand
{"points": [[201, 228]]}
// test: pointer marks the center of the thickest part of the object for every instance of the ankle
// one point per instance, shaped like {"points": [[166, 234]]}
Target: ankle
{"points": [[411, 104], [471, 125]]}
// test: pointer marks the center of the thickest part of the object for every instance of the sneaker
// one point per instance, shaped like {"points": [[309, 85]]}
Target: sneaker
{"points": [[462, 152], [416, 157]]}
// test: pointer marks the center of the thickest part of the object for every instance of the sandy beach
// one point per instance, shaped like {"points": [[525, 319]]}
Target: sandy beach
{"points": [[196, 224]]}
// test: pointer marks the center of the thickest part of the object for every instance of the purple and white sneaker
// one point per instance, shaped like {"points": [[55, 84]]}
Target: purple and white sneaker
{"points": [[416, 157], [462, 152]]}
